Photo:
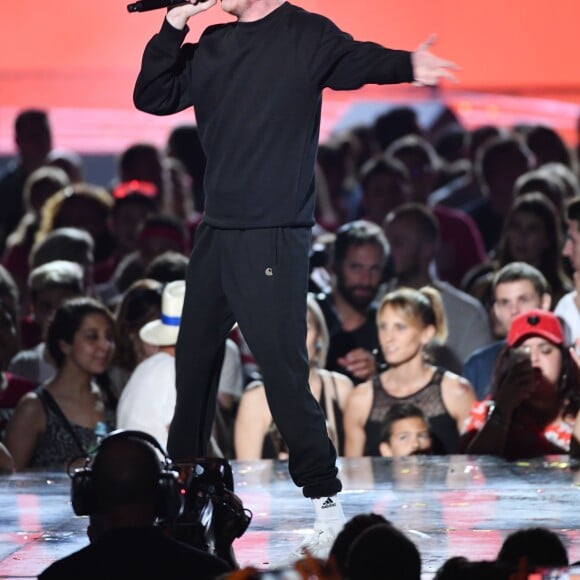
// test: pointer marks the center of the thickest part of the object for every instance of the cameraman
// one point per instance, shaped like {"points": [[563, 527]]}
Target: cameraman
{"points": [[127, 485]]}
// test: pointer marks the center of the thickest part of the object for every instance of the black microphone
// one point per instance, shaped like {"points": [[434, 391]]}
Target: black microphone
{"points": [[146, 5]]}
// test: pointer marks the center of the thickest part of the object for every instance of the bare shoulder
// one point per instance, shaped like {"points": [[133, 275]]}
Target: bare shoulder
{"points": [[361, 395], [455, 385], [343, 383], [29, 412], [254, 394], [30, 404]]}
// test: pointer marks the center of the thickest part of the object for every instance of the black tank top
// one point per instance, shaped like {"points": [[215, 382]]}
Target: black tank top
{"points": [[442, 426]]}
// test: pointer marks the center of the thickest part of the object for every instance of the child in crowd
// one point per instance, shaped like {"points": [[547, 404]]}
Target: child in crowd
{"points": [[405, 431]]}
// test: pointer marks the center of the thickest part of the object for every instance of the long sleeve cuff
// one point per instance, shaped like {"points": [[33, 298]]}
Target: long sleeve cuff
{"points": [[171, 34]]}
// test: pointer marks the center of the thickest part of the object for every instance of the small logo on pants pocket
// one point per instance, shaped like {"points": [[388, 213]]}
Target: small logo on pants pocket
{"points": [[269, 272]]}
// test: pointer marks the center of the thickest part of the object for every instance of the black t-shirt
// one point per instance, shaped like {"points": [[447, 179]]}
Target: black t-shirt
{"points": [[136, 553], [342, 342]]}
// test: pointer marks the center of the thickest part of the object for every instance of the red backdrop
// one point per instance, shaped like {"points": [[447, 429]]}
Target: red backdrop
{"points": [[86, 53]]}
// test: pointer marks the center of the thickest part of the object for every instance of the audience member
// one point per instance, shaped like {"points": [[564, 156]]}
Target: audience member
{"points": [[461, 246], [84, 206], [408, 321], [255, 434], [395, 123], [179, 201], [451, 144], [568, 307], [421, 161], [62, 420], [465, 189], [385, 185], [326, 217], [460, 568], [140, 304], [159, 234], [414, 236], [70, 244], [360, 254], [537, 547], [12, 387], [69, 161], [516, 288], [9, 295], [39, 186], [405, 431], [143, 162], [127, 488], [167, 267], [147, 401], [383, 551], [546, 182], [451, 149], [547, 145], [349, 533], [50, 285], [567, 176], [359, 143], [498, 164], [535, 394], [184, 144], [134, 202], [9, 343], [343, 188], [531, 233], [33, 139]]}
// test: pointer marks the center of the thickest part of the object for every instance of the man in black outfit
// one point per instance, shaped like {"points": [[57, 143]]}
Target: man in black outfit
{"points": [[128, 489], [256, 86]]}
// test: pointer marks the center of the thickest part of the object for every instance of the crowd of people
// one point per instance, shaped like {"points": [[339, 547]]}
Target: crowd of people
{"points": [[443, 309]]}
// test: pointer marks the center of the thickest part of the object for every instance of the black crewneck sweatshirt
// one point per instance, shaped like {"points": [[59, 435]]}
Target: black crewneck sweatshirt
{"points": [[256, 88]]}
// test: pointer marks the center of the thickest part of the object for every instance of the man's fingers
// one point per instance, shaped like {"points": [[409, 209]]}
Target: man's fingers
{"points": [[448, 64], [448, 75], [429, 42]]}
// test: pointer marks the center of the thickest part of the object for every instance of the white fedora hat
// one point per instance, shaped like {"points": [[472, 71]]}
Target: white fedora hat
{"points": [[163, 332]]}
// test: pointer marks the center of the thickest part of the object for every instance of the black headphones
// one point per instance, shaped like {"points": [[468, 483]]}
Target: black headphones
{"points": [[169, 503]]}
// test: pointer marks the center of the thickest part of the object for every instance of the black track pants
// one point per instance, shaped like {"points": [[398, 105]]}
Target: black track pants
{"points": [[258, 278]]}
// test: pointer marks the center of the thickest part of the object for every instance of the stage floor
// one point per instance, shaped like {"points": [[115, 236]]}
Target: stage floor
{"points": [[449, 506]]}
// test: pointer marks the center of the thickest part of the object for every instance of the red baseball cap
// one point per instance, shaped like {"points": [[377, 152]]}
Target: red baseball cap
{"points": [[535, 323]]}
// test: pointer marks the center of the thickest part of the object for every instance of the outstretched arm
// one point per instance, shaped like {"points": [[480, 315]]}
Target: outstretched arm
{"points": [[429, 69]]}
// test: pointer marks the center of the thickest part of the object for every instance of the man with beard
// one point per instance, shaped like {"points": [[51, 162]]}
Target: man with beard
{"points": [[360, 254]]}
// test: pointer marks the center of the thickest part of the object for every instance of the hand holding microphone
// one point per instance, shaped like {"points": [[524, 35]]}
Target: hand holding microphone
{"points": [[146, 5], [180, 11]]}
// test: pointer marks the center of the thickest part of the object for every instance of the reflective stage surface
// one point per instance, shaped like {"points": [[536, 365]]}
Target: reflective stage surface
{"points": [[449, 506]]}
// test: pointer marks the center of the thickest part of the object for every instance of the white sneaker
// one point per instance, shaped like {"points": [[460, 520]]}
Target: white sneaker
{"points": [[318, 543]]}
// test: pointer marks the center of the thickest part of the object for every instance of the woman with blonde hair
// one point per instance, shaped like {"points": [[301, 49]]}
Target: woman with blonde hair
{"points": [[409, 323], [255, 434], [81, 205]]}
